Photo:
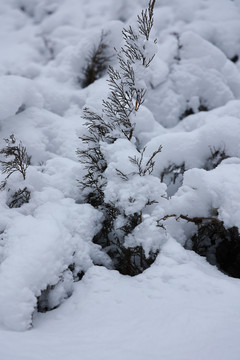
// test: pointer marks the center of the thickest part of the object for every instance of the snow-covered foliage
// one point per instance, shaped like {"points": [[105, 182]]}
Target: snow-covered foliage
{"points": [[123, 168], [121, 186]]}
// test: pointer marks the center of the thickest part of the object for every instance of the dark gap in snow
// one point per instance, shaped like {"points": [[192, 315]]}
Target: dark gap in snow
{"points": [[23, 8], [53, 295], [172, 176], [179, 47], [131, 261], [220, 246], [235, 58], [49, 48], [216, 157], [50, 12], [190, 111], [77, 275], [187, 112], [202, 108], [19, 198], [21, 109], [128, 261], [42, 300], [26, 10]]}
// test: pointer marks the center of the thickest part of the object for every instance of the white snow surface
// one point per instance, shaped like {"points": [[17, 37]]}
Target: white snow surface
{"points": [[181, 308]]}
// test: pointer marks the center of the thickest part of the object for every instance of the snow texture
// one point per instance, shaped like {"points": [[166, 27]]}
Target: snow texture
{"points": [[181, 308]]}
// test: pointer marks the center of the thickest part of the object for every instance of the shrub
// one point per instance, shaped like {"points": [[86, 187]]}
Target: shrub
{"points": [[16, 160], [127, 93], [97, 62]]}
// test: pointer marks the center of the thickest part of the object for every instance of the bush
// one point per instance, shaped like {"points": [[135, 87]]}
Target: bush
{"points": [[17, 160], [97, 62], [121, 217]]}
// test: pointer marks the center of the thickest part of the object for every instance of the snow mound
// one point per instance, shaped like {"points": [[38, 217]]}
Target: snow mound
{"points": [[57, 236], [17, 94]]}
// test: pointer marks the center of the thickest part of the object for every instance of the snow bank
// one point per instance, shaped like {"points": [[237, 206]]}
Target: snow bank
{"points": [[39, 249], [17, 94]]}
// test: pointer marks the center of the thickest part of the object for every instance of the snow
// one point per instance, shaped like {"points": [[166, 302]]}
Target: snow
{"points": [[17, 93], [50, 238], [181, 308]]}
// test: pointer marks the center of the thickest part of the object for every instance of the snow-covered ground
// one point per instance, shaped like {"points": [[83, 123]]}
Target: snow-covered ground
{"points": [[181, 308]]}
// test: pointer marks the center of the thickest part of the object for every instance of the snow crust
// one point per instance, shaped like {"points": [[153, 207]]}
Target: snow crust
{"points": [[181, 308]]}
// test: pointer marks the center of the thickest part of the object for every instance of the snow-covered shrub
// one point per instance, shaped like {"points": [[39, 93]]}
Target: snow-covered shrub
{"points": [[54, 295], [47, 245], [97, 62], [133, 191], [220, 246], [216, 157], [210, 76], [43, 254], [172, 176], [204, 214], [17, 160], [118, 182]]}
